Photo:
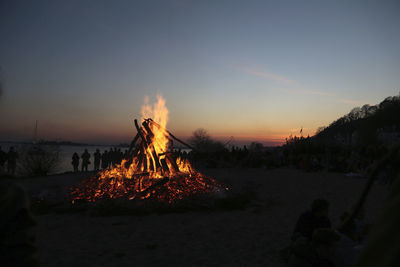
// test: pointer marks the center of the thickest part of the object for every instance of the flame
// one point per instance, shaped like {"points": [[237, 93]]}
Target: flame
{"points": [[159, 113], [152, 172]]}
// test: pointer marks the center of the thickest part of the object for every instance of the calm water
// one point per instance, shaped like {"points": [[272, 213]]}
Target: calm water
{"points": [[66, 154], [67, 151]]}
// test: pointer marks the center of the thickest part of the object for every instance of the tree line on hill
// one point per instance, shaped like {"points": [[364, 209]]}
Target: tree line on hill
{"points": [[364, 125], [349, 144]]}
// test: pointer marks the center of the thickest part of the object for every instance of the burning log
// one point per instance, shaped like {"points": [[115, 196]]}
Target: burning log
{"points": [[150, 171], [150, 137], [160, 182], [172, 161], [140, 133], [180, 141], [132, 145]]}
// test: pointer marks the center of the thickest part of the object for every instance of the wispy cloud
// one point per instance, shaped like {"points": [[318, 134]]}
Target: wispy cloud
{"points": [[350, 101], [293, 86], [283, 80], [305, 91], [268, 75]]}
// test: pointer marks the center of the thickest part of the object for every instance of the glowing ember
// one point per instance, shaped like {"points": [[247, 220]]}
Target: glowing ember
{"points": [[150, 170]]}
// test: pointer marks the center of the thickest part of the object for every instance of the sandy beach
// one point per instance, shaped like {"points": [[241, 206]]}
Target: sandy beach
{"points": [[250, 237]]}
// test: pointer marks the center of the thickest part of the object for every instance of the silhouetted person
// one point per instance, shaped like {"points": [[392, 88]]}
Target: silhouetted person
{"points": [[313, 219], [85, 160], [3, 159], [116, 156], [97, 158], [111, 157], [104, 160], [317, 253], [75, 161], [120, 156], [12, 156]]}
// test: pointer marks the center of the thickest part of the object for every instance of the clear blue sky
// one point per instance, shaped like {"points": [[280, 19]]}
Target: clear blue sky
{"points": [[255, 70]]}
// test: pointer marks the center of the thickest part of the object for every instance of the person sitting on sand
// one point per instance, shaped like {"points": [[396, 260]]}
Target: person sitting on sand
{"points": [[313, 219], [317, 253], [75, 161], [85, 160]]}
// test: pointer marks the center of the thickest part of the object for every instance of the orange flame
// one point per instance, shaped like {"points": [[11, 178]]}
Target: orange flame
{"points": [[159, 113], [135, 177]]}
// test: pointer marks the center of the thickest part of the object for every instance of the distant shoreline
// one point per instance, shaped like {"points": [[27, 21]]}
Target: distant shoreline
{"points": [[64, 143]]}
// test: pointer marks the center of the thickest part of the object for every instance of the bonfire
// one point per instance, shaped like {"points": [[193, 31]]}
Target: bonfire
{"points": [[150, 170]]}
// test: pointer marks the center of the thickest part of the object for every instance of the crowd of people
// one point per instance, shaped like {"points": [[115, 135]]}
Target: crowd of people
{"points": [[8, 161], [316, 243], [100, 160]]}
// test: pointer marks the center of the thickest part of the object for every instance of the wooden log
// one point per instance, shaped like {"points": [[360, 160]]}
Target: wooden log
{"points": [[164, 165], [169, 157], [172, 144], [132, 145], [171, 160], [144, 162], [139, 130], [140, 174], [155, 158], [146, 126], [156, 184], [170, 134], [150, 137], [147, 144], [129, 158], [151, 167], [141, 157]]}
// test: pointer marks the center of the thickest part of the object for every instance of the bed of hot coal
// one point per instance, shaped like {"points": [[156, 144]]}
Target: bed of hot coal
{"points": [[146, 195]]}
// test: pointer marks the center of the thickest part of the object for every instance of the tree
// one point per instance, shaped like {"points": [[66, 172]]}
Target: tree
{"points": [[200, 139], [38, 159], [206, 151], [319, 130], [256, 147]]}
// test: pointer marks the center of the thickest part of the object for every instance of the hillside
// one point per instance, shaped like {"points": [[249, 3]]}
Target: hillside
{"points": [[366, 125]]}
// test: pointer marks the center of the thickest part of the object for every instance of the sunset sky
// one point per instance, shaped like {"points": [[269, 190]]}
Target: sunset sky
{"points": [[254, 70]]}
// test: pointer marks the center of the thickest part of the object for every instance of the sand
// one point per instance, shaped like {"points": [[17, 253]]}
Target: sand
{"points": [[251, 237]]}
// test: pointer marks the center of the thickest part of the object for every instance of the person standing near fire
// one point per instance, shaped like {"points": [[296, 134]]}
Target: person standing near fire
{"points": [[104, 160], [85, 160], [97, 158], [75, 161]]}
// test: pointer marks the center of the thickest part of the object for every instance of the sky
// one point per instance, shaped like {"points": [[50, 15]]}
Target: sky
{"points": [[254, 70]]}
